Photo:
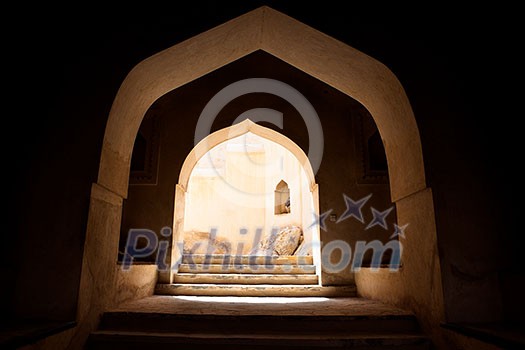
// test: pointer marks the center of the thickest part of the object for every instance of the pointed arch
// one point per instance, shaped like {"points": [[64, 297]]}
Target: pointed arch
{"points": [[327, 59], [324, 58], [208, 143], [282, 198], [234, 131]]}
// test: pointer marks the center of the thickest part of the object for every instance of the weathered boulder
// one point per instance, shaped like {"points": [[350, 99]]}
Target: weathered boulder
{"points": [[284, 242], [202, 243]]}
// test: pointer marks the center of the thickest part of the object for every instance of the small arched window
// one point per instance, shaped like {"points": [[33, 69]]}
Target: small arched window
{"points": [[282, 198]]}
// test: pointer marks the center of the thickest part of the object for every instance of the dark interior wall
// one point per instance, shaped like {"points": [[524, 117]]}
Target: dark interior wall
{"points": [[63, 71], [341, 171], [457, 89], [56, 141]]}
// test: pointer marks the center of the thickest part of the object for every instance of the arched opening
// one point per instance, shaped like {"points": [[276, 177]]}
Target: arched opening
{"points": [[340, 66], [226, 200], [282, 203]]}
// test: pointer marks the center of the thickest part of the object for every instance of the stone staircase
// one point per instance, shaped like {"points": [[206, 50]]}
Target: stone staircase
{"points": [[224, 275], [158, 323], [248, 302]]}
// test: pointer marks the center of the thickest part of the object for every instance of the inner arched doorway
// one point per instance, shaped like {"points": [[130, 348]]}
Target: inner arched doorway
{"points": [[230, 199]]}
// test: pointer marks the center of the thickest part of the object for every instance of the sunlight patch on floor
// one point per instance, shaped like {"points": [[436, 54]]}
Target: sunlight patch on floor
{"points": [[251, 300]]}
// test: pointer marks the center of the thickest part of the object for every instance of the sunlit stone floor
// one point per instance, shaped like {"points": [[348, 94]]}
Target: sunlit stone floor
{"points": [[220, 305]]}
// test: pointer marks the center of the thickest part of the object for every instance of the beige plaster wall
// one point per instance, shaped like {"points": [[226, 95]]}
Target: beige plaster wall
{"points": [[136, 283], [239, 193]]}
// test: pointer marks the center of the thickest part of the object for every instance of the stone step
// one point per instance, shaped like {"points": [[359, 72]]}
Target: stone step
{"points": [[252, 269], [229, 260], [275, 325], [252, 279], [261, 290], [163, 322], [105, 340]]}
